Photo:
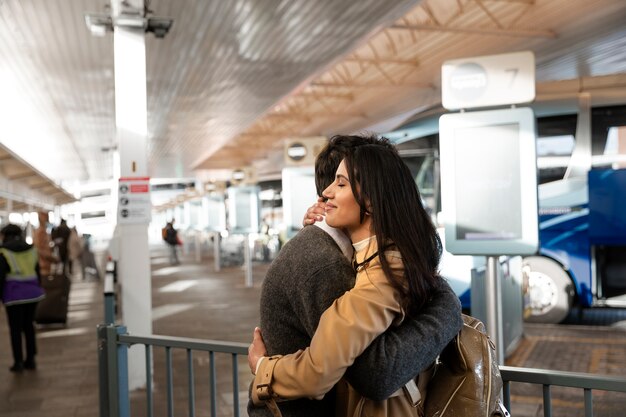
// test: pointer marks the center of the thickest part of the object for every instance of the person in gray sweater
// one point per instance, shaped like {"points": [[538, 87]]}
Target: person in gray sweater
{"points": [[309, 273]]}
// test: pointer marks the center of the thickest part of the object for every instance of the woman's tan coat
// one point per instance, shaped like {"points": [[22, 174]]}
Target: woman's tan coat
{"points": [[345, 330]]}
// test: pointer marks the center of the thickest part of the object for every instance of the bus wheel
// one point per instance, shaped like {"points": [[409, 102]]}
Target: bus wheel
{"points": [[548, 292]]}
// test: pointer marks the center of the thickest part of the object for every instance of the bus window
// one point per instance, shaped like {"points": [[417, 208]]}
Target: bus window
{"points": [[555, 144]]}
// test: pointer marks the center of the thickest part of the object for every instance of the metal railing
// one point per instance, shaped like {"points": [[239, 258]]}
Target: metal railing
{"points": [[548, 378], [113, 344]]}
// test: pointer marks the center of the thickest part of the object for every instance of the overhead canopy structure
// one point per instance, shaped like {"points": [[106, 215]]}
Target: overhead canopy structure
{"points": [[232, 81], [24, 188]]}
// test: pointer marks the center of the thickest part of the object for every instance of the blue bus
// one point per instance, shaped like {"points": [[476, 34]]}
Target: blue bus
{"points": [[581, 168]]}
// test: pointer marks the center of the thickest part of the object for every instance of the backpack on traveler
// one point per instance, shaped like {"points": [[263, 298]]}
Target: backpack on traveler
{"points": [[466, 380]]}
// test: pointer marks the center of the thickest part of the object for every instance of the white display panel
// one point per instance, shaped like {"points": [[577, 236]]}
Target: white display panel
{"points": [[215, 208], [489, 182], [244, 209], [299, 193]]}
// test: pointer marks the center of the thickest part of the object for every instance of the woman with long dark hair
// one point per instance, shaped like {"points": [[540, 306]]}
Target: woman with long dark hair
{"points": [[374, 199]]}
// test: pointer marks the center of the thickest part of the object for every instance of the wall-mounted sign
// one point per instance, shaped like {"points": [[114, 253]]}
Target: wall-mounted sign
{"points": [[488, 81], [134, 205], [296, 151], [302, 151], [244, 176]]}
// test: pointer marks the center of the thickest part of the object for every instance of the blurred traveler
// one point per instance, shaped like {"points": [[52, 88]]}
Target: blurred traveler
{"points": [[60, 236], [43, 244], [21, 290], [74, 249], [170, 236], [88, 259]]}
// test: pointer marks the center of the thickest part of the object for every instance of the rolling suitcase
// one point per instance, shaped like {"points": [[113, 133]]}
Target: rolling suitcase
{"points": [[53, 308]]}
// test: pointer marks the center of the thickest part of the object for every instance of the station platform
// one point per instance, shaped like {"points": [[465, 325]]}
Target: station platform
{"points": [[192, 300]]}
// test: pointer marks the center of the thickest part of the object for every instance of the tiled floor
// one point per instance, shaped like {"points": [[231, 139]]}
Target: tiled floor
{"points": [[192, 300]]}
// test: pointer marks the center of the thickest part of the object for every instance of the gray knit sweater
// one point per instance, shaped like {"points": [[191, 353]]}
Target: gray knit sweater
{"points": [[309, 273]]}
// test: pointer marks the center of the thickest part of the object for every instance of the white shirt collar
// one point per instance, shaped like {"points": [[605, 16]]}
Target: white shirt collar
{"points": [[339, 237], [362, 244]]}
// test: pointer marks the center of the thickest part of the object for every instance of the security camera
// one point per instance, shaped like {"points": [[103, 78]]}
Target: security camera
{"points": [[159, 26], [100, 23]]}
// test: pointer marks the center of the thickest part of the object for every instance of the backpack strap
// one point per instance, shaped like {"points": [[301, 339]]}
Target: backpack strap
{"points": [[416, 389], [412, 392]]}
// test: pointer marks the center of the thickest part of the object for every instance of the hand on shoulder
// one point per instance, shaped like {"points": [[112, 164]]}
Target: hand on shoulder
{"points": [[315, 213]]}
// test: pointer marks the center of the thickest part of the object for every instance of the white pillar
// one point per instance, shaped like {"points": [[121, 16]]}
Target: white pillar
{"points": [[198, 245], [132, 125]]}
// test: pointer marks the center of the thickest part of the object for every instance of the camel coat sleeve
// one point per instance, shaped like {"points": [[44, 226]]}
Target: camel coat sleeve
{"points": [[345, 330]]}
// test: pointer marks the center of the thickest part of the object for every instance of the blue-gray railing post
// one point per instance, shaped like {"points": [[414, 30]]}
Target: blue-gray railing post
{"points": [[102, 371], [122, 373], [107, 365], [113, 370]]}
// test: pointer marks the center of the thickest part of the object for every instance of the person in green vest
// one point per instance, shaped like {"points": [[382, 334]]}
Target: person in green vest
{"points": [[20, 291]]}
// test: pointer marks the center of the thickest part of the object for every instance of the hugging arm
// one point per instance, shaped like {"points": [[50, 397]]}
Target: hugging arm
{"points": [[402, 352]]}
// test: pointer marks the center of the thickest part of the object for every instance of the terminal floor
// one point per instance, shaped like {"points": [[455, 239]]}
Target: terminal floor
{"points": [[191, 300]]}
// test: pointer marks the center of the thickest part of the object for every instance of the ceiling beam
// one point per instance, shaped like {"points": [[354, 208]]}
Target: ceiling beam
{"points": [[21, 175], [323, 95], [369, 85], [529, 2], [512, 32], [324, 113], [268, 134], [413, 63], [285, 115]]}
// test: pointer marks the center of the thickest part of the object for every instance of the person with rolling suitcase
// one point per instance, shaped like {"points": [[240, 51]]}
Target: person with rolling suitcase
{"points": [[54, 278], [60, 236], [20, 292], [44, 245]]}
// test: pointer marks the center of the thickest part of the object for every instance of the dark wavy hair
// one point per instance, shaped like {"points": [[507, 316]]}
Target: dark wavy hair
{"points": [[384, 188], [332, 154]]}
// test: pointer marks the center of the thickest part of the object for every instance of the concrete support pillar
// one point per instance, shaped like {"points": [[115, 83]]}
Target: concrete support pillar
{"points": [[132, 124]]}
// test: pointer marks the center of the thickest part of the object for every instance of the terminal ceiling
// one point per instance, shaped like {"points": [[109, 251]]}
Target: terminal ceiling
{"points": [[233, 80]]}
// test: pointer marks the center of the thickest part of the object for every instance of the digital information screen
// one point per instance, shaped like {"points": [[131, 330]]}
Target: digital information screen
{"points": [[299, 194], [489, 182], [243, 209], [216, 213]]}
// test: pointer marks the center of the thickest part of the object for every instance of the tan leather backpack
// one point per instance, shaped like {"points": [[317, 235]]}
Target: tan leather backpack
{"points": [[467, 380]]}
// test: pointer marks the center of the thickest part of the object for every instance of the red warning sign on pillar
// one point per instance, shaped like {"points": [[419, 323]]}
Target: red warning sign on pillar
{"points": [[134, 205]]}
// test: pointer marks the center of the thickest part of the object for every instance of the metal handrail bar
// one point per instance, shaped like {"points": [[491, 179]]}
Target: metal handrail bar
{"points": [[186, 343], [563, 378]]}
